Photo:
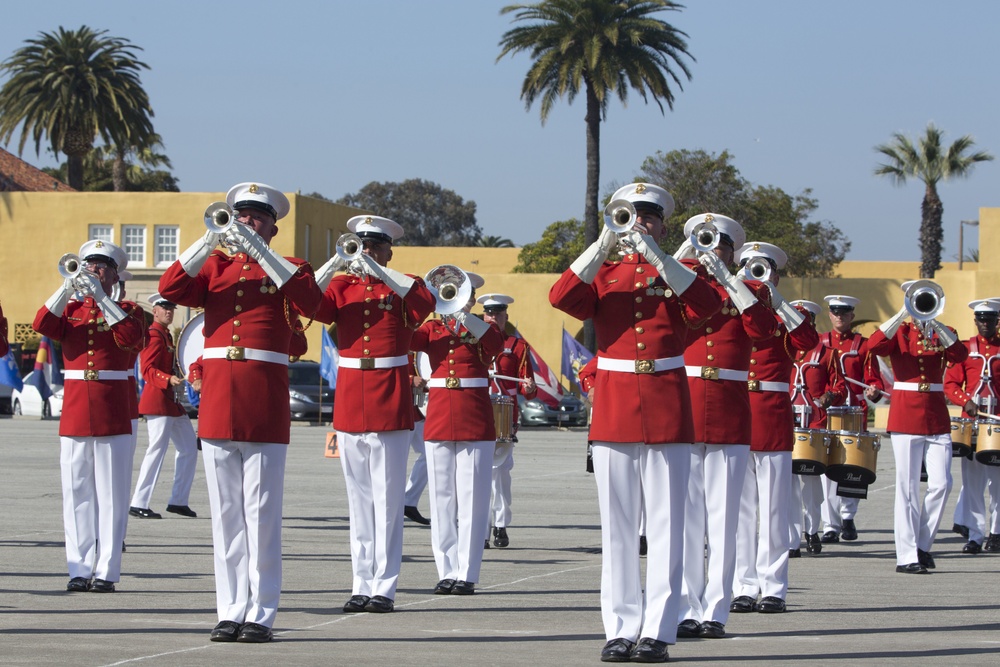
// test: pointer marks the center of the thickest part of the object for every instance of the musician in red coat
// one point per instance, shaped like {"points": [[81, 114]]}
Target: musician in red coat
{"points": [[98, 336], [974, 385], [859, 364], [762, 551], [416, 481], [717, 361], [250, 300], [460, 436], [641, 307], [919, 422], [166, 418], [376, 310]]}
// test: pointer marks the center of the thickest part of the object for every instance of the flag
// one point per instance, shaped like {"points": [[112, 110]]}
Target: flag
{"points": [[194, 398], [45, 366], [10, 374], [574, 357], [549, 390], [329, 360]]}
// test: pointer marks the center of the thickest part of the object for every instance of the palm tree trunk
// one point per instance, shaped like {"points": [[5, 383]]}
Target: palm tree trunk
{"points": [[590, 210], [118, 178], [74, 171], [931, 232]]}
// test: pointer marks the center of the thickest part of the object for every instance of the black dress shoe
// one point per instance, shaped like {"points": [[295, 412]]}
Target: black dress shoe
{"points": [[744, 604], [444, 587], [972, 547], [102, 586], [830, 537], [617, 650], [960, 529], [643, 546], [795, 553], [992, 543], [254, 633], [771, 605], [144, 513], [78, 585], [926, 559], [356, 604], [413, 514], [379, 605], [813, 545], [463, 588], [688, 628], [487, 545], [183, 510], [912, 568], [226, 631], [712, 630], [500, 538], [850, 531], [650, 650]]}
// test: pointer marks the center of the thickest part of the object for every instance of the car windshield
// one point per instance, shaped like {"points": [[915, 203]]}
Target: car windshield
{"points": [[305, 376]]}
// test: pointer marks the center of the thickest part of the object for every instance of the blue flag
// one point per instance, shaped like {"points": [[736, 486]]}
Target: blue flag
{"points": [[329, 360], [574, 357], [9, 372], [194, 398]]}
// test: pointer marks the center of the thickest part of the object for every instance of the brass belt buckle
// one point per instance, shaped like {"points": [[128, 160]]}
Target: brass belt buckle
{"points": [[452, 383], [753, 385], [91, 375], [644, 366], [924, 386], [366, 363], [709, 373], [234, 353]]}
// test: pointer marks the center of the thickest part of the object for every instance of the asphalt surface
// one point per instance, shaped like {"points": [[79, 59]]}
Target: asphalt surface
{"points": [[537, 601]]}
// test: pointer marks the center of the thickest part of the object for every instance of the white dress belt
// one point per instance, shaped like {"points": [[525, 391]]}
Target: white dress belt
{"points": [[366, 363], [713, 373], [97, 375], [639, 365], [917, 386], [235, 353], [763, 385], [455, 383]]}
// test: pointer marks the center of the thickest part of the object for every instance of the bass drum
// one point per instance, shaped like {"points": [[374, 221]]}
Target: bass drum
{"points": [[191, 342]]}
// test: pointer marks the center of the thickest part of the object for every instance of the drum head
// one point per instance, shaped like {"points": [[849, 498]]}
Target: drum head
{"points": [[191, 342]]}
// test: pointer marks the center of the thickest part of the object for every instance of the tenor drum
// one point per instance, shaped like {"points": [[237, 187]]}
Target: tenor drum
{"points": [[988, 443], [963, 430], [809, 452], [845, 418], [853, 457], [503, 417], [191, 342]]}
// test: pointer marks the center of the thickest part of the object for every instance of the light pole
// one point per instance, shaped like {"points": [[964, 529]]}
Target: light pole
{"points": [[961, 239]]}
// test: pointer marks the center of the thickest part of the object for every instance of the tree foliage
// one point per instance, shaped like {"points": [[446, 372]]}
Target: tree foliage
{"points": [[138, 171], [561, 243], [491, 241], [429, 214]]}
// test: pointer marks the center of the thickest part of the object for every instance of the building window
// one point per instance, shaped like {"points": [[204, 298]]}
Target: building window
{"points": [[167, 241], [101, 233], [134, 244]]}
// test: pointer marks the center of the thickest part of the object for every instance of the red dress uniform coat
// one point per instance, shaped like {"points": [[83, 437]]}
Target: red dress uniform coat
{"points": [[245, 400], [513, 361], [636, 316], [963, 381], [157, 362], [721, 408], [771, 361], [587, 375], [94, 407], [463, 413], [858, 363], [816, 372], [196, 370], [916, 359], [373, 322]]}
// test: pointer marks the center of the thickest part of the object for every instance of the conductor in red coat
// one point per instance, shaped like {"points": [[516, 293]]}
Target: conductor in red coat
{"points": [[250, 298]]}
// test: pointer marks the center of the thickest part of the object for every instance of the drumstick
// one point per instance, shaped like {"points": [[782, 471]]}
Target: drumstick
{"points": [[507, 377], [987, 415], [866, 386]]}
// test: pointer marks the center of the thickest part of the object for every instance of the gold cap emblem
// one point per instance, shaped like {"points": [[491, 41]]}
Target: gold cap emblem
{"points": [[368, 220], [756, 246], [639, 189], [253, 188], [99, 244], [709, 217]]}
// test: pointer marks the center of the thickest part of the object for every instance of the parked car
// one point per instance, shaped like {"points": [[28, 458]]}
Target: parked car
{"points": [[29, 401], [309, 395], [534, 412]]}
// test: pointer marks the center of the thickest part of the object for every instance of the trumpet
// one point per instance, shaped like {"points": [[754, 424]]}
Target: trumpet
{"points": [[924, 300], [349, 247], [219, 217], [451, 287], [705, 237], [70, 265], [757, 268], [619, 216]]}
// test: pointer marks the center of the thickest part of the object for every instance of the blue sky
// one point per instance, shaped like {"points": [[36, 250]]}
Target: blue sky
{"points": [[327, 96]]}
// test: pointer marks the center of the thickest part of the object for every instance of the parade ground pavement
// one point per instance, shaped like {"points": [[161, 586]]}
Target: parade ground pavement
{"points": [[537, 601]]}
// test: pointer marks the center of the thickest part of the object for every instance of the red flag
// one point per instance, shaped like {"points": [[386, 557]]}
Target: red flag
{"points": [[549, 389]]}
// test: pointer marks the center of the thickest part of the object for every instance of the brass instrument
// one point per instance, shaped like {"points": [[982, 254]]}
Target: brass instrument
{"points": [[70, 265], [451, 287], [924, 300], [619, 216], [349, 247], [757, 268], [705, 237], [219, 217]]}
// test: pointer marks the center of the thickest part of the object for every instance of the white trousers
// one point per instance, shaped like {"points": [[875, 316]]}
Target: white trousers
{"points": [[417, 481], [459, 479], [630, 476], [96, 478], [971, 509], [836, 509], [916, 522], [762, 532], [501, 505], [374, 467], [807, 498], [246, 483], [162, 430], [711, 514]]}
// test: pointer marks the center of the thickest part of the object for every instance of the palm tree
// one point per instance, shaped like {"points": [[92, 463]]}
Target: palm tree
{"points": [[602, 48], [71, 86], [931, 163], [490, 241]]}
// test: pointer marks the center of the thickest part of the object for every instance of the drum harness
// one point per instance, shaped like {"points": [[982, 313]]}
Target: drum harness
{"points": [[804, 410], [987, 400], [853, 352]]}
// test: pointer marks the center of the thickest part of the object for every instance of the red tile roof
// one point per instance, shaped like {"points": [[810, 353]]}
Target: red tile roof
{"points": [[16, 175]]}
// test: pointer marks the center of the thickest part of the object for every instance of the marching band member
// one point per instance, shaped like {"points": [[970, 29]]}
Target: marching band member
{"points": [[166, 419], [762, 551], [641, 307], [250, 299], [99, 336], [376, 310], [920, 427], [717, 362], [416, 482], [974, 385], [859, 364]]}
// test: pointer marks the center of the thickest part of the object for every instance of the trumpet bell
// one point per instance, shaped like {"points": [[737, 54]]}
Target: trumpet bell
{"points": [[451, 287], [70, 265], [349, 247], [219, 217], [924, 300], [705, 237], [758, 268], [619, 216]]}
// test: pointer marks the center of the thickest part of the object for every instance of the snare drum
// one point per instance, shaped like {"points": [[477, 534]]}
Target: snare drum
{"points": [[963, 430], [809, 452], [845, 418], [853, 458], [503, 417], [988, 442]]}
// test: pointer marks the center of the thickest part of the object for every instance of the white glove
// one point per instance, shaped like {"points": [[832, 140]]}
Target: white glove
{"points": [[741, 295], [678, 276], [325, 273], [685, 251], [400, 283], [787, 313], [476, 326], [592, 258], [279, 269], [194, 257], [948, 338], [891, 325], [57, 302], [88, 283], [113, 313]]}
